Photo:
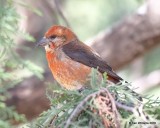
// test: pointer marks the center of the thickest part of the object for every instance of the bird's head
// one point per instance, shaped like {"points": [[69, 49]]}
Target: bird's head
{"points": [[56, 36]]}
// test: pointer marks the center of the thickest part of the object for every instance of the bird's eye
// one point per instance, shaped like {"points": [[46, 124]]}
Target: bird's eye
{"points": [[52, 37]]}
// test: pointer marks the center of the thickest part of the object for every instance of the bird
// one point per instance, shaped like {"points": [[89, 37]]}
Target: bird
{"points": [[71, 61]]}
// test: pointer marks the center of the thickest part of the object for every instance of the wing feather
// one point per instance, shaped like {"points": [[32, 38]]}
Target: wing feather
{"points": [[82, 53]]}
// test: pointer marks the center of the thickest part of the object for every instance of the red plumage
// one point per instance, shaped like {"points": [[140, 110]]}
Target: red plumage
{"points": [[70, 60]]}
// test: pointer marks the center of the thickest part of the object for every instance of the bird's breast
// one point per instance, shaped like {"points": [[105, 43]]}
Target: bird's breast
{"points": [[69, 73]]}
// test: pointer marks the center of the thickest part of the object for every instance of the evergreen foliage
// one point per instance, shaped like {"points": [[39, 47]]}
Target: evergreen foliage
{"points": [[73, 109], [10, 62]]}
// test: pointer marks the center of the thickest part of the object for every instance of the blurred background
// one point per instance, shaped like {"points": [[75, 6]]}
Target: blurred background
{"points": [[126, 33]]}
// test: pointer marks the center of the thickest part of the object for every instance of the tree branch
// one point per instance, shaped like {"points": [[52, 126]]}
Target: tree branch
{"points": [[132, 37], [61, 13], [29, 96], [129, 39], [146, 82]]}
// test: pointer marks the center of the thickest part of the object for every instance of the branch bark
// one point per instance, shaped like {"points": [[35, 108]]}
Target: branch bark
{"points": [[146, 82], [29, 97], [132, 37]]}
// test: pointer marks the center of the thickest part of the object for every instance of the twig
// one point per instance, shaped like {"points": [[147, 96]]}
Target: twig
{"points": [[114, 109], [125, 107], [136, 111], [79, 108], [59, 10]]}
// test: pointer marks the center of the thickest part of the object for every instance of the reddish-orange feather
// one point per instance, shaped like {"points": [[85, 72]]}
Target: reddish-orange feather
{"points": [[70, 74], [59, 31]]}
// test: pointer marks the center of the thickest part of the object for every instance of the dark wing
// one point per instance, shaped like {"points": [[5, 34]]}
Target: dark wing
{"points": [[84, 54]]}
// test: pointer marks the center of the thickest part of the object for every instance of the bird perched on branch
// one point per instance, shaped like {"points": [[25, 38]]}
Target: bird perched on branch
{"points": [[70, 60]]}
